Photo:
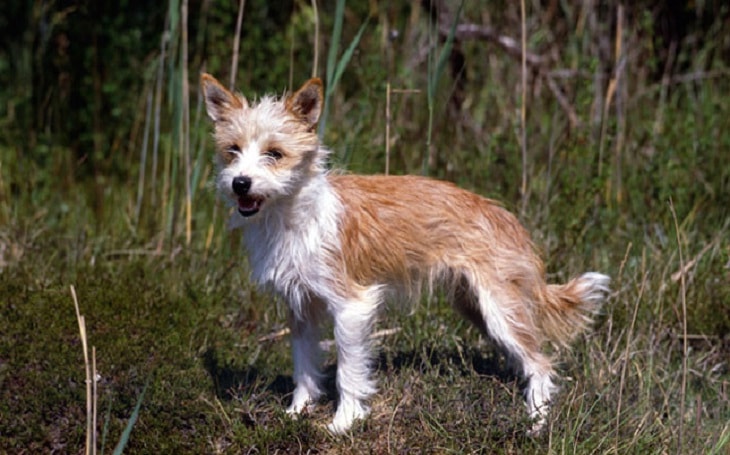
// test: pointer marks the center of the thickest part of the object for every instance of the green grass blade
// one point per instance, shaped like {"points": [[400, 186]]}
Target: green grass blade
{"points": [[105, 428], [335, 41], [347, 55], [434, 76], [124, 439], [722, 442], [331, 62], [443, 57]]}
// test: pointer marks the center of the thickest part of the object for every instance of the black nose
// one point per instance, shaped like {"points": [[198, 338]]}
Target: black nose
{"points": [[241, 185]]}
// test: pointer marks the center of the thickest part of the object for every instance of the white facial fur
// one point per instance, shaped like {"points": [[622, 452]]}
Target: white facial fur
{"points": [[271, 143], [256, 130]]}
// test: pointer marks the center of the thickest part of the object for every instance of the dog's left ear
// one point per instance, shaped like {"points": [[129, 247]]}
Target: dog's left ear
{"points": [[306, 103]]}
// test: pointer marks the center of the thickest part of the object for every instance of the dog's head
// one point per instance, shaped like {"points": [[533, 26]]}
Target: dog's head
{"points": [[267, 149]]}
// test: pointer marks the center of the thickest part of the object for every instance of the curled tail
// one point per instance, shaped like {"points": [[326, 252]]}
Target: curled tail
{"points": [[568, 309]]}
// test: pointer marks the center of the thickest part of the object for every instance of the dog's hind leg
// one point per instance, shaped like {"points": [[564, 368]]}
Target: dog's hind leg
{"points": [[353, 321], [306, 356], [510, 323]]}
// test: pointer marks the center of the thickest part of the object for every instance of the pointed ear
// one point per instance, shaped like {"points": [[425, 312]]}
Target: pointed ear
{"points": [[306, 103], [219, 101]]}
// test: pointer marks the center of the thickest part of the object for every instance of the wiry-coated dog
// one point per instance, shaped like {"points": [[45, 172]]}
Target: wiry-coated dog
{"points": [[340, 245]]}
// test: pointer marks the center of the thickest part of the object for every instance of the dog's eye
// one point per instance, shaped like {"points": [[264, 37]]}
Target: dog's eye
{"points": [[273, 153], [231, 152]]}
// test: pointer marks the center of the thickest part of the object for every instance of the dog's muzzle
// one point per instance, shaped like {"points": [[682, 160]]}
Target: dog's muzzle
{"points": [[248, 204]]}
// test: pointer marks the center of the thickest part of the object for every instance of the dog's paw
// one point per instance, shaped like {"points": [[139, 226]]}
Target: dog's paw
{"points": [[537, 427], [297, 409], [347, 413], [337, 429], [302, 401]]}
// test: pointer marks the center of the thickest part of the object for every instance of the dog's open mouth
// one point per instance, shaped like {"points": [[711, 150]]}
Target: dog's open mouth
{"points": [[248, 205]]}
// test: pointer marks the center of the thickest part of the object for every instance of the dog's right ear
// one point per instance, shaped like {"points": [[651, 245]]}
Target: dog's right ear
{"points": [[219, 101], [306, 103]]}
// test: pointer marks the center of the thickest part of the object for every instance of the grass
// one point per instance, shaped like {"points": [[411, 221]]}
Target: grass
{"points": [[197, 332], [192, 359]]}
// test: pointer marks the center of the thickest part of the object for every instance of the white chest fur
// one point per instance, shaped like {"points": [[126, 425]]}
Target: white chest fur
{"points": [[289, 242]]}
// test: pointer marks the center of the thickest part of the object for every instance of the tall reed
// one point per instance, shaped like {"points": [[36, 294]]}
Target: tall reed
{"points": [[336, 65], [434, 72]]}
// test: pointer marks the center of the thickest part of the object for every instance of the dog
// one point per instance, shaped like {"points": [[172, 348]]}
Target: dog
{"points": [[339, 245]]}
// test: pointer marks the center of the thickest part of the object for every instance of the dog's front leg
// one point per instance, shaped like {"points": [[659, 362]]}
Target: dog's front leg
{"points": [[353, 321], [306, 356]]}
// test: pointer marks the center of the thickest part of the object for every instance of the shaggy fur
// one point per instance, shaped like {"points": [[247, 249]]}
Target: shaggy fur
{"points": [[340, 245]]}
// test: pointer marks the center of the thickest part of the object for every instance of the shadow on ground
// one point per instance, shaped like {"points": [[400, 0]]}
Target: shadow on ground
{"points": [[226, 380]]}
